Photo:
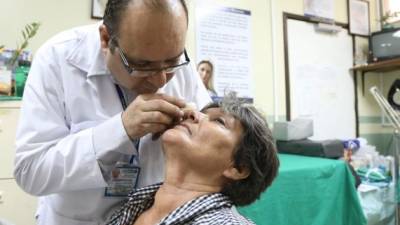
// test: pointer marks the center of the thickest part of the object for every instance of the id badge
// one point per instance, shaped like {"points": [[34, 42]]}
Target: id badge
{"points": [[124, 178]]}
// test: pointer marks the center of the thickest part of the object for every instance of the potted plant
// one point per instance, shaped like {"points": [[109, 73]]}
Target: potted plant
{"points": [[386, 19], [27, 33], [11, 64]]}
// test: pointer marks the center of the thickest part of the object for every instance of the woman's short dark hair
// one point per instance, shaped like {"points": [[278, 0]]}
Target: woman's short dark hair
{"points": [[115, 9], [255, 152]]}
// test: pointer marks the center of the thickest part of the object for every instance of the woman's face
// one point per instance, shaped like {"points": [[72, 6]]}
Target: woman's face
{"points": [[204, 142], [205, 72]]}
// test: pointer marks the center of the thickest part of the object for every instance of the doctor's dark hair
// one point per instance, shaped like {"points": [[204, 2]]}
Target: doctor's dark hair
{"points": [[255, 152], [115, 10]]}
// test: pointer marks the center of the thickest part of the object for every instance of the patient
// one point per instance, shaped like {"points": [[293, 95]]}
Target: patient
{"points": [[217, 158]]}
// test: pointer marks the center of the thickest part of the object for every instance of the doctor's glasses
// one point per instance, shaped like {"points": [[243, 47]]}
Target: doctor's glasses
{"points": [[145, 70]]}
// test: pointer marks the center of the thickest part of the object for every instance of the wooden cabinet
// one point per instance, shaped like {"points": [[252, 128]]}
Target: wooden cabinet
{"points": [[16, 206], [9, 113]]}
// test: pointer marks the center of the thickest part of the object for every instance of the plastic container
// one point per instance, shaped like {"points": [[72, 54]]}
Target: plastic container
{"points": [[21, 74]]}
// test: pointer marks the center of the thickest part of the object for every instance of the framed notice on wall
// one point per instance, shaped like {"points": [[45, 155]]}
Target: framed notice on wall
{"points": [[359, 17], [223, 36], [98, 7], [321, 9]]}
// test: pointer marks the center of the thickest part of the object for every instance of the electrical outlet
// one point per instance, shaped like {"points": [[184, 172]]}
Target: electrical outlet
{"points": [[1, 197]]}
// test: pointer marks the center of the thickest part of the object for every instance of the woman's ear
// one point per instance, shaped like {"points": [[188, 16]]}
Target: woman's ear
{"points": [[233, 173], [104, 37]]}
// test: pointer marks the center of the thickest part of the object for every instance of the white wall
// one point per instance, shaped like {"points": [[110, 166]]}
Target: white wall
{"points": [[55, 16]]}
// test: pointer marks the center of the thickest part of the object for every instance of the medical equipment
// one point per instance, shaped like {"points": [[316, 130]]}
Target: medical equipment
{"points": [[394, 119]]}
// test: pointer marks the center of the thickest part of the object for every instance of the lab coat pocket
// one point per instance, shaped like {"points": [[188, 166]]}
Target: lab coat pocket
{"points": [[75, 128]]}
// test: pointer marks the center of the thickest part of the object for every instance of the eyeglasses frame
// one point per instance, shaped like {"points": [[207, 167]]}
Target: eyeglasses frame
{"points": [[131, 70]]}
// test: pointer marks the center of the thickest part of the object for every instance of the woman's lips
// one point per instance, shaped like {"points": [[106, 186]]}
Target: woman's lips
{"points": [[186, 126]]}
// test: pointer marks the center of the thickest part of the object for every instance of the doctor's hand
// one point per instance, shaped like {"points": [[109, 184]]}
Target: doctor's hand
{"points": [[151, 113]]}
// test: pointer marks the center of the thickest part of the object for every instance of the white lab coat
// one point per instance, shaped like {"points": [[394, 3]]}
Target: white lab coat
{"points": [[71, 120]]}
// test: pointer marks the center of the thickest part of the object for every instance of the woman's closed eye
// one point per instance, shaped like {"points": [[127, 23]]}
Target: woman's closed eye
{"points": [[220, 120]]}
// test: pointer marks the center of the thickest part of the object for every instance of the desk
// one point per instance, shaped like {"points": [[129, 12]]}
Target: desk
{"points": [[16, 206], [308, 191], [9, 98]]}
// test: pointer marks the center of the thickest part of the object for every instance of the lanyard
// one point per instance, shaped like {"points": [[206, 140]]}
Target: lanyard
{"points": [[136, 142], [121, 96]]}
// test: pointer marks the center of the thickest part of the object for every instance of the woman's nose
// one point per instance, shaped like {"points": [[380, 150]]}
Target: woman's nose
{"points": [[193, 115]]}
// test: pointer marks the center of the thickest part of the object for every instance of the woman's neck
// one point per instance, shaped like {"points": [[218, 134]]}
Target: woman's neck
{"points": [[181, 185], [173, 194]]}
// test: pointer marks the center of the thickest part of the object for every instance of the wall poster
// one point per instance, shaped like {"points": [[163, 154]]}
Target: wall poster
{"points": [[323, 9], [223, 36]]}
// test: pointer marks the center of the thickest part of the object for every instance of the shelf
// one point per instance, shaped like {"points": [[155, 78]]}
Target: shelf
{"points": [[383, 66], [9, 98]]}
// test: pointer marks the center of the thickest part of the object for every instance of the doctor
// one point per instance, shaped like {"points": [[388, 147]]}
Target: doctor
{"points": [[93, 100]]}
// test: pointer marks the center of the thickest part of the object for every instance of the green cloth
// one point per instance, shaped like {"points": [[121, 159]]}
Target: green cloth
{"points": [[308, 191], [373, 175]]}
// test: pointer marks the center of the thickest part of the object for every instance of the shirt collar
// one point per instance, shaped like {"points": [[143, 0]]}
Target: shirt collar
{"points": [[141, 199], [87, 55], [196, 207], [138, 201], [143, 194]]}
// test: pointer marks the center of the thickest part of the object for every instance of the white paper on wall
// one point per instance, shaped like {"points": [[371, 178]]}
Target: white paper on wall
{"points": [[223, 36]]}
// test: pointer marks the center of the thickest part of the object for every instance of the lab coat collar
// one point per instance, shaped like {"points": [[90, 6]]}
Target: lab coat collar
{"points": [[87, 55]]}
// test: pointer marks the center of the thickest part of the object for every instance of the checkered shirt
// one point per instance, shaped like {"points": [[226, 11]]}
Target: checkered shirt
{"points": [[207, 209]]}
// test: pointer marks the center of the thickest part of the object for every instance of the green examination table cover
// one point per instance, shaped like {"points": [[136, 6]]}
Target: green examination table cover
{"points": [[308, 191]]}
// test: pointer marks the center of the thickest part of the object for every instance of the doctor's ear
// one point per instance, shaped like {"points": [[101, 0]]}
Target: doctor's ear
{"points": [[104, 37]]}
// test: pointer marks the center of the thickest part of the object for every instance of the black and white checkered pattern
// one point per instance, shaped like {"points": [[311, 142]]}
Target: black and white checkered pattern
{"points": [[207, 209]]}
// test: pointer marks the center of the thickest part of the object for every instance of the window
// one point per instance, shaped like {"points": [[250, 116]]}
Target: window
{"points": [[391, 8]]}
